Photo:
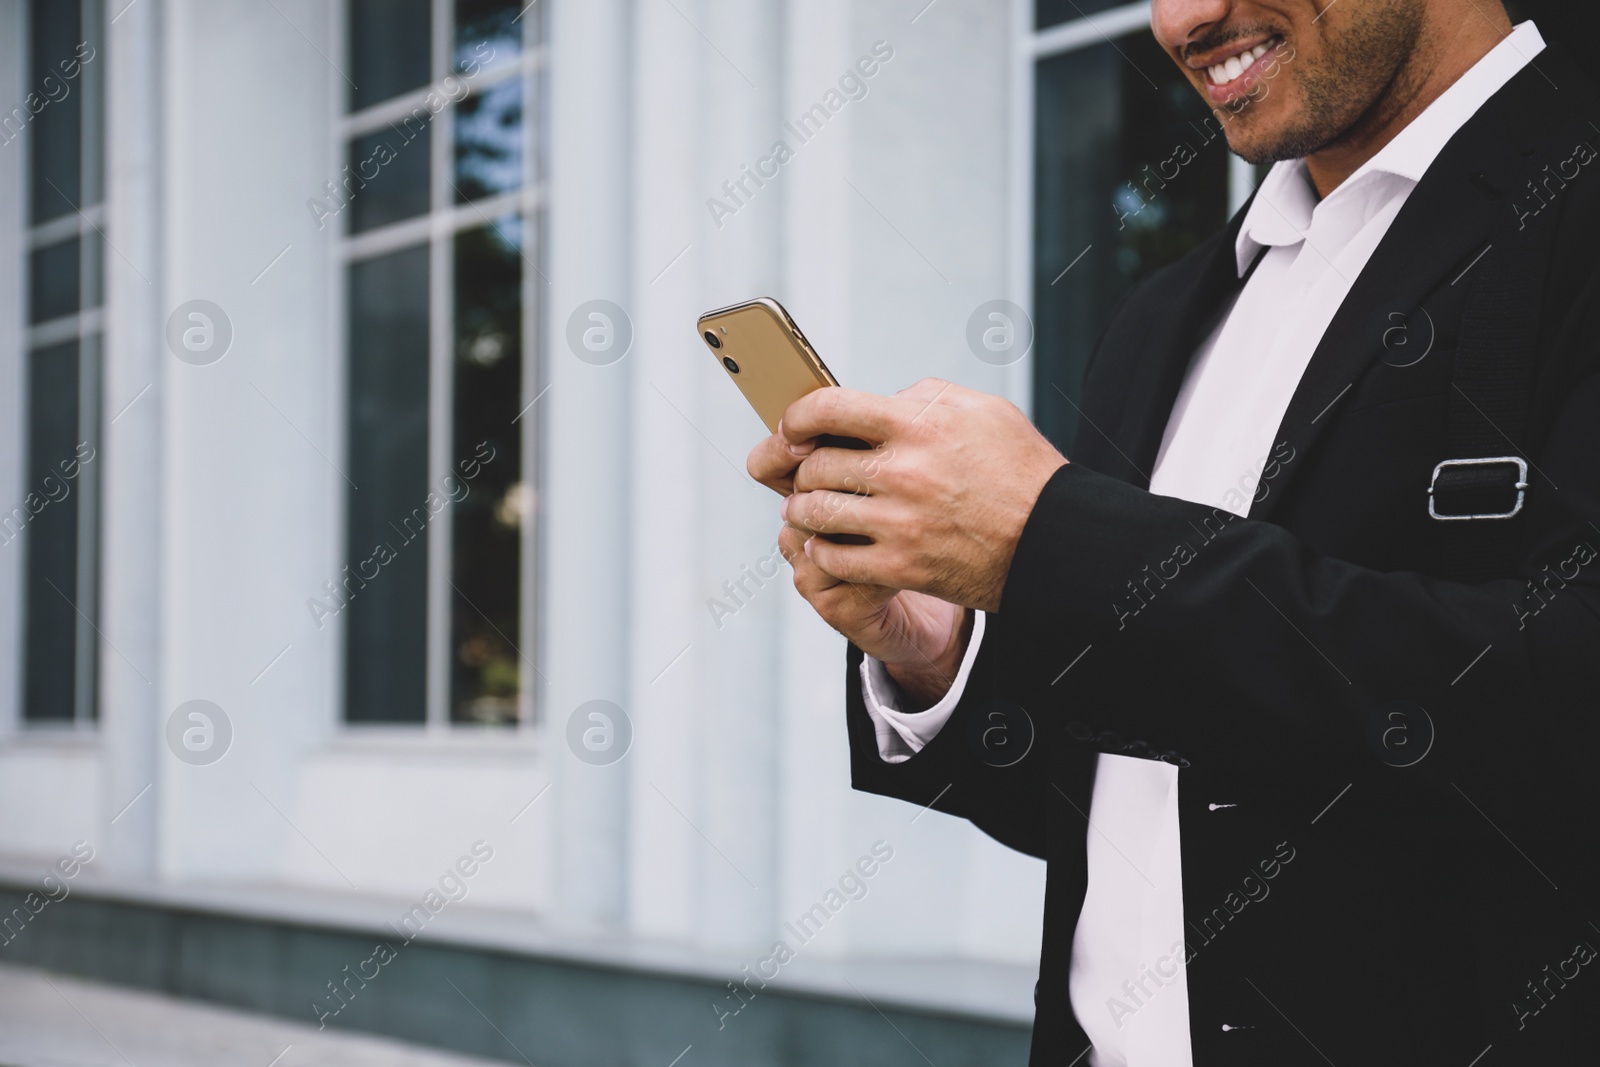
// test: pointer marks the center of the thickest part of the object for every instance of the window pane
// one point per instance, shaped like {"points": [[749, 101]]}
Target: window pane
{"points": [[1050, 12], [397, 161], [390, 44], [51, 568], [91, 77], [1129, 176], [489, 142], [490, 31], [56, 30], [489, 518], [53, 281], [386, 620]]}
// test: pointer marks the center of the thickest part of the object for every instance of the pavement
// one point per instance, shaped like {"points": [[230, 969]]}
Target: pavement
{"points": [[50, 1020]]}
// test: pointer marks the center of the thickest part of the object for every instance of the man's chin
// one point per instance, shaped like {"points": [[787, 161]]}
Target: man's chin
{"points": [[1259, 144]]}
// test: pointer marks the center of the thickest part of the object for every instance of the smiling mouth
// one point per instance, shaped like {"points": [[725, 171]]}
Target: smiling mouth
{"points": [[1234, 67]]}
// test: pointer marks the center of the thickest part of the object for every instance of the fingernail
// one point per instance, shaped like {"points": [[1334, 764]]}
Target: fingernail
{"points": [[803, 449], [783, 509], [808, 548]]}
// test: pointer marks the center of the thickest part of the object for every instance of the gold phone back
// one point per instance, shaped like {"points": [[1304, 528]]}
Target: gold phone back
{"points": [[777, 366]]}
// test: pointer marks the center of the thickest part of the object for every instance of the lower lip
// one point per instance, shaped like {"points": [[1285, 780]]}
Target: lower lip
{"points": [[1244, 83]]}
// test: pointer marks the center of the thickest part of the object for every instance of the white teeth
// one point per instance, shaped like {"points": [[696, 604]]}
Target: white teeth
{"points": [[1224, 72]]}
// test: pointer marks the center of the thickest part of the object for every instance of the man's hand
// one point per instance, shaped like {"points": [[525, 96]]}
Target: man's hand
{"points": [[943, 495], [919, 638]]}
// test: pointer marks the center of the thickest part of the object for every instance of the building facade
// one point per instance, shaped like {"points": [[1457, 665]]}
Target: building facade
{"points": [[376, 515]]}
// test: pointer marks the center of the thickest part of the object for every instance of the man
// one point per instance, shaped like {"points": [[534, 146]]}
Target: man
{"points": [[1290, 667]]}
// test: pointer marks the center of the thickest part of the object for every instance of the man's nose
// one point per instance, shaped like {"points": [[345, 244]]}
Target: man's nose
{"points": [[1177, 22]]}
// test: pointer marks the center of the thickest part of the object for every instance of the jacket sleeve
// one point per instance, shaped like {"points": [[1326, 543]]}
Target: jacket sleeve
{"points": [[988, 763], [1233, 644]]}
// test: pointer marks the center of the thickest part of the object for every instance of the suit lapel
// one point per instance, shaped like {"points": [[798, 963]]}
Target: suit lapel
{"points": [[1449, 220]]}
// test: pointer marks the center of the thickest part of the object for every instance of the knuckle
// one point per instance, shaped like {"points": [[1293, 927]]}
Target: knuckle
{"points": [[811, 473], [800, 505], [824, 405]]}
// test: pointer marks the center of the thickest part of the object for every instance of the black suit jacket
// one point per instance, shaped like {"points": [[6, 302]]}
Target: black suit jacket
{"points": [[1348, 899]]}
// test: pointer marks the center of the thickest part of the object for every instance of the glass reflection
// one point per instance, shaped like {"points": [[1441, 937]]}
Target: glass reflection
{"points": [[489, 32], [1131, 172], [489, 142], [493, 504]]}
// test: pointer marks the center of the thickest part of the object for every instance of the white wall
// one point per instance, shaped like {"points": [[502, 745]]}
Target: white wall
{"points": [[13, 216], [732, 812]]}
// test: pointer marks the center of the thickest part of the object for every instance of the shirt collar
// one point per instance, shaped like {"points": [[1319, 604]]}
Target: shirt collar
{"points": [[1282, 210]]}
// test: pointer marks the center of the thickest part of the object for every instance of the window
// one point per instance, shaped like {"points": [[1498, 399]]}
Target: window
{"points": [[1114, 199], [60, 125], [439, 209]]}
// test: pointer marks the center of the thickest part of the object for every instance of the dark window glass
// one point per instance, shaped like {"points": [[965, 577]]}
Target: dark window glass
{"points": [[489, 518], [388, 176], [91, 77], [390, 46], [56, 104], [1131, 173], [1049, 12], [50, 641], [53, 281], [491, 31], [386, 617], [489, 142]]}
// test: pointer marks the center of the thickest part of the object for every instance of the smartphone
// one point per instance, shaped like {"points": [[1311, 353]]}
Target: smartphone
{"points": [[763, 351]]}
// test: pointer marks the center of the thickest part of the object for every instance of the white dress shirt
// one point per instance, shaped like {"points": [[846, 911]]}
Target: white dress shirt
{"points": [[1217, 440]]}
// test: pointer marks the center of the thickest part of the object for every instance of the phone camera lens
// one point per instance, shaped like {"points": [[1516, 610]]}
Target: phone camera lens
{"points": [[733, 368], [712, 340]]}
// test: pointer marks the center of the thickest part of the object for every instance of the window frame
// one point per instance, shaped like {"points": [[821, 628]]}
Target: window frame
{"points": [[437, 229]]}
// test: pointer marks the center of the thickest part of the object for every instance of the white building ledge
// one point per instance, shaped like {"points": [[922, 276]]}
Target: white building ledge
{"points": [[987, 991]]}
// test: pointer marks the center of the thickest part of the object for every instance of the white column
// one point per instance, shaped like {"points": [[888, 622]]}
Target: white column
{"points": [[819, 839], [709, 78], [736, 693], [252, 443], [669, 629], [587, 430], [134, 396]]}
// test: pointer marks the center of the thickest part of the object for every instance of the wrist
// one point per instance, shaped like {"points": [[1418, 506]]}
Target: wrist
{"points": [[922, 681]]}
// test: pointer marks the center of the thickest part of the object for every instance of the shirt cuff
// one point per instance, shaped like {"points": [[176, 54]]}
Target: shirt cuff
{"points": [[902, 734]]}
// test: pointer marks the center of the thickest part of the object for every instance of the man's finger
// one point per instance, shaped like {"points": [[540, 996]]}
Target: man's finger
{"points": [[772, 462], [810, 580], [792, 543], [856, 564], [846, 470], [846, 413], [824, 511]]}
